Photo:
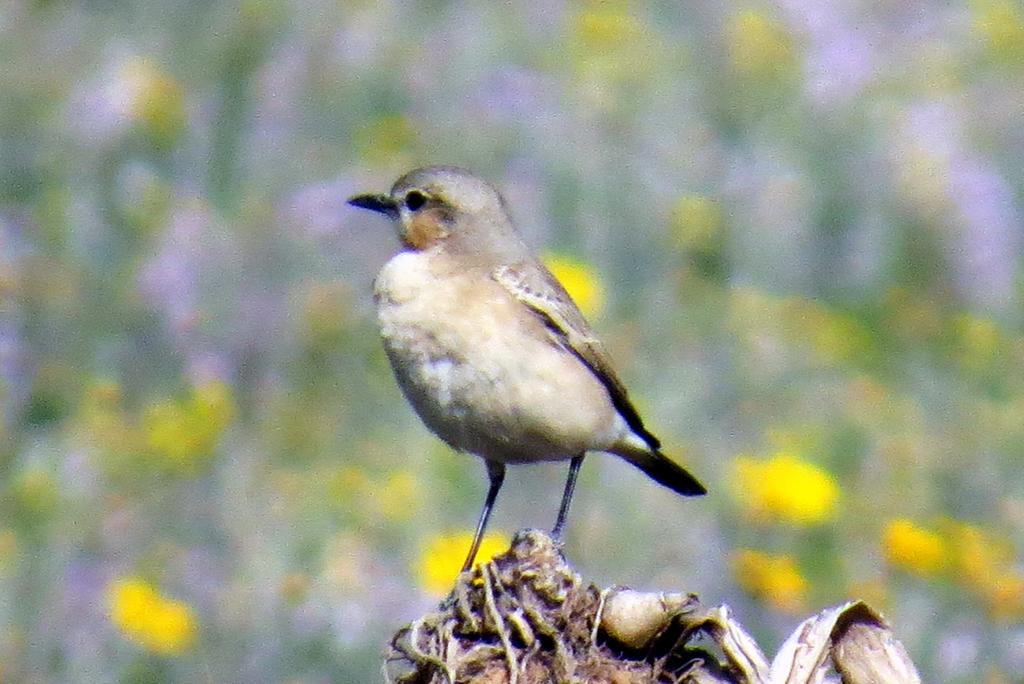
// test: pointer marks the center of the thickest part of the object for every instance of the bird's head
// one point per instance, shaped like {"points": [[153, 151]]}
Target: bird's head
{"points": [[445, 205]]}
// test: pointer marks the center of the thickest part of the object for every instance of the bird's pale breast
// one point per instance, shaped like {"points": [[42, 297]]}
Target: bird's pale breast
{"points": [[481, 369]]}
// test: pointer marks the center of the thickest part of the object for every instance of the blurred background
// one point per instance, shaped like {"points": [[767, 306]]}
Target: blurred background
{"points": [[797, 225]]}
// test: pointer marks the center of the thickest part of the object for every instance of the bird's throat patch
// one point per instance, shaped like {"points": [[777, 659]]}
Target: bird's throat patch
{"points": [[426, 229]]}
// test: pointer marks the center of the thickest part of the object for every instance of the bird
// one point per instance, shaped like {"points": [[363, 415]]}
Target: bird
{"points": [[489, 348]]}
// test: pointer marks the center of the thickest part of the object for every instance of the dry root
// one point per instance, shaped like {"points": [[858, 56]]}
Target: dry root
{"points": [[526, 617]]}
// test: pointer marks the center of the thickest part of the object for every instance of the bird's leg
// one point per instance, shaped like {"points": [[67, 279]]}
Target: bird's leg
{"points": [[496, 471], [570, 485]]}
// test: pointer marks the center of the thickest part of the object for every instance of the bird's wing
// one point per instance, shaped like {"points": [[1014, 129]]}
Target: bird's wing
{"points": [[532, 284]]}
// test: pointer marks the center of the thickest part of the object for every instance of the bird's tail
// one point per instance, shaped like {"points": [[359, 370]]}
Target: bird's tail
{"points": [[665, 471]]}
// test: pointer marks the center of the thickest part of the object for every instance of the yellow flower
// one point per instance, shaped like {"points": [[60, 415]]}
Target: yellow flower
{"points": [[774, 579], [213, 406], [396, 495], [155, 100], [1004, 597], [156, 623], [978, 560], [914, 549], [580, 281], [610, 46], [978, 556], [605, 26], [785, 488], [347, 483], [758, 45], [386, 139], [393, 496], [979, 342], [833, 337], [697, 222], [814, 332], [1000, 23], [442, 558], [182, 434], [983, 563]]}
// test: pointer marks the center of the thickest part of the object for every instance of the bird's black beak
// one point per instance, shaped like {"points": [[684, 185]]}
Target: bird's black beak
{"points": [[382, 204]]}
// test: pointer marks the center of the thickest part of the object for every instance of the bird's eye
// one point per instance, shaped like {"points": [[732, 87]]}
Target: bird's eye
{"points": [[415, 200]]}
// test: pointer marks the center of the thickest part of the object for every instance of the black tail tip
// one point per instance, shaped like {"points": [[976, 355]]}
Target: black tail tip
{"points": [[668, 473], [698, 489], [687, 486]]}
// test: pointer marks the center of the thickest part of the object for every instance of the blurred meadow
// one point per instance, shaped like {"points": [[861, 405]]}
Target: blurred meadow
{"points": [[797, 226]]}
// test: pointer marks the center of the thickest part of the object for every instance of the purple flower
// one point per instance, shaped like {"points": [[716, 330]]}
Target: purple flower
{"points": [[986, 246], [982, 233], [840, 57]]}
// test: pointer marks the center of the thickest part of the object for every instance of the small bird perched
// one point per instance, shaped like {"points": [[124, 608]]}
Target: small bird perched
{"points": [[490, 349]]}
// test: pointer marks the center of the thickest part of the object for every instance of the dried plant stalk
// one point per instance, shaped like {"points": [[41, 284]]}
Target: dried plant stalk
{"points": [[526, 617]]}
